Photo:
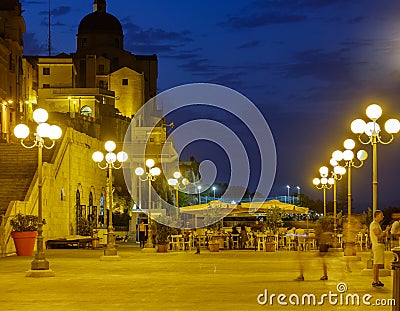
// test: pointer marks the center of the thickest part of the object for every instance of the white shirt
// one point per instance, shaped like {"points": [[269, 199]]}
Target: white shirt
{"points": [[373, 237], [395, 228]]}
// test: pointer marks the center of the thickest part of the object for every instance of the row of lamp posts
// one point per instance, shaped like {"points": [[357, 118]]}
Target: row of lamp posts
{"points": [[368, 133]]}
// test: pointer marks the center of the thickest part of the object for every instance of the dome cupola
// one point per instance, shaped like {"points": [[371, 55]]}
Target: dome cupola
{"points": [[99, 29]]}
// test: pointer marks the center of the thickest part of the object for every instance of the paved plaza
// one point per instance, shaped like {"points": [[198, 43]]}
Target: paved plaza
{"points": [[226, 280]]}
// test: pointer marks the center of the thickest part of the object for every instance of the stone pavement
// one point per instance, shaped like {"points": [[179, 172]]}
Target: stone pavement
{"points": [[227, 280]]}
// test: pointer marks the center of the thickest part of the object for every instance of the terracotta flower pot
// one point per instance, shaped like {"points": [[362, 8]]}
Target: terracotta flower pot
{"points": [[213, 247], [162, 248], [24, 242]]}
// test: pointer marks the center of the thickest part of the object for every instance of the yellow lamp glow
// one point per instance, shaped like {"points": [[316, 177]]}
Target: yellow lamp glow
{"points": [[21, 131], [374, 112]]}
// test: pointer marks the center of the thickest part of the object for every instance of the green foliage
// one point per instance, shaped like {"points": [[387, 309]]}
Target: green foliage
{"points": [[324, 224], [163, 228], [274, 218], [21, 222]]}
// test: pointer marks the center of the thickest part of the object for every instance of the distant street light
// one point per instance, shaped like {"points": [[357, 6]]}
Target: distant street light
{"points": [[298, 195], [372, 131], [348, 156], [214, 188], [110, 252], [324, 183], [174, 182], [199, 188], [39, 266], [151, 174], [288, 189]]}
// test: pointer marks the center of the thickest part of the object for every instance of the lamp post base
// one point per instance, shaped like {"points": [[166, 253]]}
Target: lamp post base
{"points": [[40, 273], [40, 263]]}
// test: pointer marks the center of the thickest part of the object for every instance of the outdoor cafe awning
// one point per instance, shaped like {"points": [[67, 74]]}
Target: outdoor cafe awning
{"points": [[252, 208]]}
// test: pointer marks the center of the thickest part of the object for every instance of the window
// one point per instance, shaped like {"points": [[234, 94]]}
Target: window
{"points": [[46, 86], [124, 81], [46, 71], [116, 43], [101, 69], [86, 111], [102, 85]]}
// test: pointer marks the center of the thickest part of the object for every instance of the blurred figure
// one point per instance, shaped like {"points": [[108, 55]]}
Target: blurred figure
{"points": [[378, 247]]}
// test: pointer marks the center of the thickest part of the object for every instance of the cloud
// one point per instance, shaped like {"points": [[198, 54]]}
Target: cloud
{"points": [[262, 19], [299, 4], [154, 40], [60, 11], [32, 46], [45, 22], [250, 44], [154, 35], [322, 65]]}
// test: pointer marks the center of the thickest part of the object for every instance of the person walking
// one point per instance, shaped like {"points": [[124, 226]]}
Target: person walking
{"points": [[378, 247], [142, 234]]}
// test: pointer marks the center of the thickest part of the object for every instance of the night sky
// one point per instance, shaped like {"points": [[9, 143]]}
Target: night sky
{"points": [[310, 66]]}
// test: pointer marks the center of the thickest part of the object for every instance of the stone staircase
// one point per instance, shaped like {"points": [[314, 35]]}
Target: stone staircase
{"points": [[18, 166]]}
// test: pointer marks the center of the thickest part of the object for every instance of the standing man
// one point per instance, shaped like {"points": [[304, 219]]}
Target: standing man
{"points": [[142, 233], [378, 247]]}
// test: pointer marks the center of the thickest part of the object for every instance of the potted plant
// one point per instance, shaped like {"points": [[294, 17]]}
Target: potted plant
{"points": [[273, 220], [24, 232], [162, 231]]}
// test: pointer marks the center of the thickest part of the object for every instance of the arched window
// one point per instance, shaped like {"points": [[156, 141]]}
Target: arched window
{"points": [[86, 111]]}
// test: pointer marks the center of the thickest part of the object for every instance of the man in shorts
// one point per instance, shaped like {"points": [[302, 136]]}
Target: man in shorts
{"points": [[378, 247]]}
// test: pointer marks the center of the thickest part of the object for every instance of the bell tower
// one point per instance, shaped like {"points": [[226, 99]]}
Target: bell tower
{"points": [[99, 6]]}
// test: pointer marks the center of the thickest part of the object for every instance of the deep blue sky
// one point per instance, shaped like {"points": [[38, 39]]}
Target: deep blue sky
{"points": [[310, 66]]}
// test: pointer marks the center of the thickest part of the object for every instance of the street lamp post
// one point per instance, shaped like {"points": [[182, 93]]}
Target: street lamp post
{"points": [[372, 131], [299, 196], [151, 174], [348, 157], [214, 188], [39, 266], [110, 252], [174, 182], [337, 174], [199, 188], [323, 183], [288, 189]]}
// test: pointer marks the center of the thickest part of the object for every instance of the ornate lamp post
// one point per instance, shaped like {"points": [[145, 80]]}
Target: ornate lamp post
{"points": [[151, 174], [110, 252], [372, 132], [348, 157], [174, 182], [39, 266], [324, 183], [337, 174]]}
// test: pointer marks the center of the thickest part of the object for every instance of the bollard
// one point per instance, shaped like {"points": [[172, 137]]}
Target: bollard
{"points": [[396, 278]]}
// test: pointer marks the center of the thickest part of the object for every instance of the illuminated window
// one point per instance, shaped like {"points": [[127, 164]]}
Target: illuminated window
{"points": [[86, 111]]}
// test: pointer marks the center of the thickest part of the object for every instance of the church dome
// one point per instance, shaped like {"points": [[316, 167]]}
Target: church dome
{"points": [[100, 22]]}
